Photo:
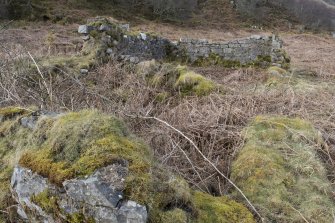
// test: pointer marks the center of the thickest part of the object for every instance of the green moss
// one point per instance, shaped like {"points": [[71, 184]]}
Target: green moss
{"points": [[12, 141], [46, 201], [95, 34], [190, 82], [176, 215], [79, 218], [220, 209], [11, 112], [76, 144], [278, 167], [68, 63], [70, 149], [161, 97]]}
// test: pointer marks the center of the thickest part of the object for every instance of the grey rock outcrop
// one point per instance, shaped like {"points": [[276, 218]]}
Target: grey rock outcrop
{"points": [[24, 185], [99, 195]]}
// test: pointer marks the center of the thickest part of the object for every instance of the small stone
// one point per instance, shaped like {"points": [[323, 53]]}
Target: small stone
{"points": [[105, 27], [115, 42], [86, 38], [333, 34], [125, 27], [109, 51], [83, 71], [143, 36], [256, 37], [85, 29], [134, 60]]}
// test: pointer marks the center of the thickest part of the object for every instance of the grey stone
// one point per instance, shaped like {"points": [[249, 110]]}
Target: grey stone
{"points": [[115, 43], [131, 212], [110, 51], [125, 27], [100, 195], [105, 27], [134, 60], [31, 120], [143, 36], [333, 34], [24, 185], [86, 37], [103, 188], [85, 29], [83, 71]]}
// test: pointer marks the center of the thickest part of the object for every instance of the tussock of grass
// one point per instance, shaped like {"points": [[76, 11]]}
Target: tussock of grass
{"points": [[276, 71], [191, 82], [175, 79], [11, 112], [279, 171]]}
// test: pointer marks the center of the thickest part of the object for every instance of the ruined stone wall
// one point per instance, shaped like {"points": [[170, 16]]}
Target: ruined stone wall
{"points": [[255, 49], [144, 47]]}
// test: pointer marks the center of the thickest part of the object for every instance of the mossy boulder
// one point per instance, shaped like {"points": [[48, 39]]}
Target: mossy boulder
{"points": [[75, 145], [279, 170]]}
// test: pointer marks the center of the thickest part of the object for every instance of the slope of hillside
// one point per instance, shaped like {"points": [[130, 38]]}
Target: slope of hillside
{"points": [[230, 120]]}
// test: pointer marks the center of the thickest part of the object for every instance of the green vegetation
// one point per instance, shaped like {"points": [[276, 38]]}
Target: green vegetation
{"points": [[46, 201], [220, 209], [12, 142], [11, 112], [191, 82], [171, 79], [76, 144], [278, 167]]}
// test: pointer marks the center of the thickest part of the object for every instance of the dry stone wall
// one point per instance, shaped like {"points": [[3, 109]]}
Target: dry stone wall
{"points": [[256, 50]]}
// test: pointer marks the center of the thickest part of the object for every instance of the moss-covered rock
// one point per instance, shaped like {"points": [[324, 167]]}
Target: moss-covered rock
{"points": [[75, 145], [279, 171]]}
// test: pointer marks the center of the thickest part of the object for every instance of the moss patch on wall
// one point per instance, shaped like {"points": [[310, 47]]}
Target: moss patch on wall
{"points": [[279, 171]]}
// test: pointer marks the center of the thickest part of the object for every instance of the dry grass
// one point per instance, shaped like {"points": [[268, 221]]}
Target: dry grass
{"points": [[214, 122], [316, 52]]}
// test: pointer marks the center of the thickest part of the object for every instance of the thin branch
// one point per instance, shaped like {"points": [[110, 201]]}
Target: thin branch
{"points": [[208, 161], [299, 213]]}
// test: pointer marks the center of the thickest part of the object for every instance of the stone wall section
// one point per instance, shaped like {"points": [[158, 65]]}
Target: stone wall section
{"points": [[245, 51], [135, 47]]}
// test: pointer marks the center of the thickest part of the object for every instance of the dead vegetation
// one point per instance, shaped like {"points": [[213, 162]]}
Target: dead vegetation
{"points": [[213, 121]]}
